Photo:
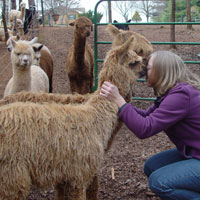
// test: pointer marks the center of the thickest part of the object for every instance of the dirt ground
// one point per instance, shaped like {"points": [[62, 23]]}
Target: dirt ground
{"points": [[128, 153]]}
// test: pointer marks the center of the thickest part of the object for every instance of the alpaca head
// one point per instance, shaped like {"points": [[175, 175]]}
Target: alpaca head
{"points": [[22, 53], [121, 67], [37, 47], [142, 46], [83, 27], [22, 5], [9, 44]]}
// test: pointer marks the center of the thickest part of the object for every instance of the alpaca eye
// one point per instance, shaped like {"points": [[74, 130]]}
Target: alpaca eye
{"points": [[132, 64]]}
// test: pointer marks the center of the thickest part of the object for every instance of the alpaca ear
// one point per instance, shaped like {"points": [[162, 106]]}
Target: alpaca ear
{"points": [[13, 43], [35, 49], [40, 47], [34, 40], [127, 45], [72, 23], [112, 30]]}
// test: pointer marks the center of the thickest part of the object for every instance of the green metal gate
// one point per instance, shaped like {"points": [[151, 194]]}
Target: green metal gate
{"points": [[96, 43]]}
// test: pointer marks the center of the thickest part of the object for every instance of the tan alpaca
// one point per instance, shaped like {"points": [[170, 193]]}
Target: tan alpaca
{"points": [[142, 46], [19, 28], [26, 76], [63, 145], [42, 58], [80, 59], [17, 14]]}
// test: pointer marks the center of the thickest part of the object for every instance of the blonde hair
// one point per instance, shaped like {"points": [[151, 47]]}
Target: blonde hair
{"points": [[169, 69]]}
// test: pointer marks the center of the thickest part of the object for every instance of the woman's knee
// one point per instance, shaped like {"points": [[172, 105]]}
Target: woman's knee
{"points": [[147, 168], [156, 184]]}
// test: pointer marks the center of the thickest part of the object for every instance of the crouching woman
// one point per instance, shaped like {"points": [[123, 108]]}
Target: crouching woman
{"points": [[175, 173]]}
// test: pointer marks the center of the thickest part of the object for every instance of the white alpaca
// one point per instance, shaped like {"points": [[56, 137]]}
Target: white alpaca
{"points": [[26, 77], [42, 58]]}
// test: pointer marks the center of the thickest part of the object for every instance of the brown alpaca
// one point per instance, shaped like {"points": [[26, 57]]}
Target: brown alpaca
{"points": [[44, 59], [80, 59], [63, 145], [142, 46]]}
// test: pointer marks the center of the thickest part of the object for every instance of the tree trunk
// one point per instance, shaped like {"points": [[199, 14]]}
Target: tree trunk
{"points": [[31, 3], [13, 4], [109, 12], [172, 26], [189, 26], [4, 20]]}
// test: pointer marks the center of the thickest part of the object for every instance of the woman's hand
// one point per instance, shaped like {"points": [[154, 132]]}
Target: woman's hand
{"points": [[111, 92]]}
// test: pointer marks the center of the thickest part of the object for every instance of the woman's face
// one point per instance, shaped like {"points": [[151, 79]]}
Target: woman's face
{"points": [[149, 72]]}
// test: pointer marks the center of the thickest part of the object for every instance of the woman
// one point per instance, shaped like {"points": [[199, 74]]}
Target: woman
{"points": [[175, 173]]}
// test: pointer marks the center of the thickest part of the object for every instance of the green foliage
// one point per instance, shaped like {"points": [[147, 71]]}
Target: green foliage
{"points": [[180, 11], [136, 17], [90, 15]]}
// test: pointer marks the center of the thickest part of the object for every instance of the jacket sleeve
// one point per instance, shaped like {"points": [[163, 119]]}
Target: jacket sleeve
{"points": [[172, 109]]}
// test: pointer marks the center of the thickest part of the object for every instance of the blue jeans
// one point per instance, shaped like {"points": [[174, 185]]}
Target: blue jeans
{"points": [[171, 176]]}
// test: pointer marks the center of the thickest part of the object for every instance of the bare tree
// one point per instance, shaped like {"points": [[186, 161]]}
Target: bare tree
{"points": [[146, 7], [189, 26], [69, 4], [109, 12], [20, 1], [4, 20], [172, 26], [31, 3], [150, 8], [13, 4], [124, 8]]}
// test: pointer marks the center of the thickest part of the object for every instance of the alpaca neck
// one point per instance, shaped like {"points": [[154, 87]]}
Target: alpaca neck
{"points": [[21, 80], [107, 115], [79, 48], [22, 13]]}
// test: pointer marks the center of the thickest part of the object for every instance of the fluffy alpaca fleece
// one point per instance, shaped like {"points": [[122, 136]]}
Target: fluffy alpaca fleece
{"points": [[18, 14], [42, 97], [63, 145], [42, 58], [26, 76], [19, 28], [142, 46], [80, 59]]}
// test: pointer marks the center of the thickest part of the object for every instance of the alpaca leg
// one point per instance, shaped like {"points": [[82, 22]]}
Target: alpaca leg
{"points": [[68, 192], [15, 182], [60, 191], [92, 190]]}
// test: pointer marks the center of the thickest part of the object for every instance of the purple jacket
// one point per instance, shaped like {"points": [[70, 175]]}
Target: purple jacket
{"points": [[178, 116]]}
